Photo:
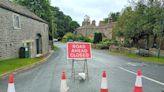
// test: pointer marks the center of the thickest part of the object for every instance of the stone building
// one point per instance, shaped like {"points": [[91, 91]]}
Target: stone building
{"points": [[21, 28], [88, 29]]}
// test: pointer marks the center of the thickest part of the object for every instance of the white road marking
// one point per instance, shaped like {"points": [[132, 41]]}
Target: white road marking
{"points": [[153, 80], [132, 64]]}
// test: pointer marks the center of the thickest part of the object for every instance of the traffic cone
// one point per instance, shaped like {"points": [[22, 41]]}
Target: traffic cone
{"points": [[138, 83], [63, 87], [104, 85], [11, 86]]}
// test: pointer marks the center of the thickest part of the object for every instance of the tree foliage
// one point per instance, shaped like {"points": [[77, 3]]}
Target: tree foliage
{"points": [[64, 22], [141, 20], [113, 16]]}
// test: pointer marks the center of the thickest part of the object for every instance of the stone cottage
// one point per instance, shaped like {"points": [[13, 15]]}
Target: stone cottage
{"points": [[88, 29], [21, 28]]}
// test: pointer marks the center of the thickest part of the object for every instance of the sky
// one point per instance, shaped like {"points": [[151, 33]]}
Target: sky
{"points": [[95, 9]]}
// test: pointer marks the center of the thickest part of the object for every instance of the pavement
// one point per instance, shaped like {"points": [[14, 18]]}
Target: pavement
{"points": [[121, 74]]}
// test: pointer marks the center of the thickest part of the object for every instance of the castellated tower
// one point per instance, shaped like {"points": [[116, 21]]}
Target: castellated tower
{"points": [[94, 23], [86, 20]]}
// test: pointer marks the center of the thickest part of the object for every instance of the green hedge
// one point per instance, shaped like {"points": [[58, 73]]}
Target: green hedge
{"points": [[74, 37], [105, 44], [97, 37]]}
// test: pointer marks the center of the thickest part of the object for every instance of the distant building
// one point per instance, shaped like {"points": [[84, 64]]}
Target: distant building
{"points": [[21, 28], [88, 29]]}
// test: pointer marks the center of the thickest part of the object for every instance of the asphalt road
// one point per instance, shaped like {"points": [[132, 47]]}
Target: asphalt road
{"points": [[120, 72]]}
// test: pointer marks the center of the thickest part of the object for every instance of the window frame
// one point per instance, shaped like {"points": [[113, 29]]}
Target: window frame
{"points": [[15, 27]]}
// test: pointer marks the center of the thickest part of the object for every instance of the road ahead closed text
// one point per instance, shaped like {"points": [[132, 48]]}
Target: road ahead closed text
{"points": [[77, 50]]}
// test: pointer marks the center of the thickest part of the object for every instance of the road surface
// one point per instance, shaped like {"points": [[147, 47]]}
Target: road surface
{"points": [[120, 72]]}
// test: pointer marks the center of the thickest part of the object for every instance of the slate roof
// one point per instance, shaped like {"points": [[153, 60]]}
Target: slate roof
{"points": [[8, 5]]}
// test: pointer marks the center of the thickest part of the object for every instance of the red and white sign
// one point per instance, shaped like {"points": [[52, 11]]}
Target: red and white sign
{"points": [[78, 50]]}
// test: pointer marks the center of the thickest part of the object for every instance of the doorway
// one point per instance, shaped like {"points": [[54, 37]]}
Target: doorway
{"points": [[38, 44]]}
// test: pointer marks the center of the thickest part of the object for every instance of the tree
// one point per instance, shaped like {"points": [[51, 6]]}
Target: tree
{"points": [[141, 20], [64, 22], [73, 26], [114, 16]]}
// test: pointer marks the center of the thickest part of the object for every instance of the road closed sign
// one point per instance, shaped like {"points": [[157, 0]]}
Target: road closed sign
{"points": [[79, 50]]}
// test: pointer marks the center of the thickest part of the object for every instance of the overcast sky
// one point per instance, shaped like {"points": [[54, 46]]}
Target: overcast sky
{"points": [[96, 9]]}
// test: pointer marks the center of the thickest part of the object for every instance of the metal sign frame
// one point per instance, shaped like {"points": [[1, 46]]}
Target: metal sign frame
{"points": [[85, 68]]}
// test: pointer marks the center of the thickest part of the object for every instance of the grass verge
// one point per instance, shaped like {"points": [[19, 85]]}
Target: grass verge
{"points": [[55, 47], [145, 59], [12, 64]]}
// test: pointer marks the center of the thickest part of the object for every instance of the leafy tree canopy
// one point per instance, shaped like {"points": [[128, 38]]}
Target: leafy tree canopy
{"points": [[143, 18]]}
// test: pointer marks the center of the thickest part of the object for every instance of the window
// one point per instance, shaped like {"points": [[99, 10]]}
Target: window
{"points": [[16, 21]]}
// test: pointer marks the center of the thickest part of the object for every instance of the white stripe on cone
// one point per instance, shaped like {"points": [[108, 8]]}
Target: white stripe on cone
{"points": [[11, 87], [138, 82], [63, 86], [104, 84]]}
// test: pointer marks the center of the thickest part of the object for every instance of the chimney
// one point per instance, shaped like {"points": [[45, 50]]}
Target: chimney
{"points": [[86, 20], [110, 20], [94, 23], [101, 23]]}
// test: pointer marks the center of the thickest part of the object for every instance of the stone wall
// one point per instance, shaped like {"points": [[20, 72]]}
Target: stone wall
{"points": [[89, 31], [12, 39]]}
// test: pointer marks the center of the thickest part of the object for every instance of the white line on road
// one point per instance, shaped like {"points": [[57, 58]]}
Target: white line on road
{"points": [[132, 64], [158, 82]]}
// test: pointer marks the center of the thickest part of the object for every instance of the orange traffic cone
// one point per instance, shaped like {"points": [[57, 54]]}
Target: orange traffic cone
{"points": [[63, 87], [11, 86], [138, 84], [104, 85]]}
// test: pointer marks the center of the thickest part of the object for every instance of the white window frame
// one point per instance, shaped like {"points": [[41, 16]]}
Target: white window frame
{"points": [[14, 21]]}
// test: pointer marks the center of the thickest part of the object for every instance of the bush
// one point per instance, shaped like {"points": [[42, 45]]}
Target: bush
{"points": [[68, 36], [105, 44], [87, 40], [127, 44], [102, 46], [74, 37], [97, 37], [114, 42], [55, 47]]}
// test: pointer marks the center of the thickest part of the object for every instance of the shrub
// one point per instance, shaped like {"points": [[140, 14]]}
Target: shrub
{"points": [[83, 38], [74, 37], [105, 44], [87, 40], [97, 37], [68, 36], [114, 42], [55, 47], [80, 37], [102, 46]]}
